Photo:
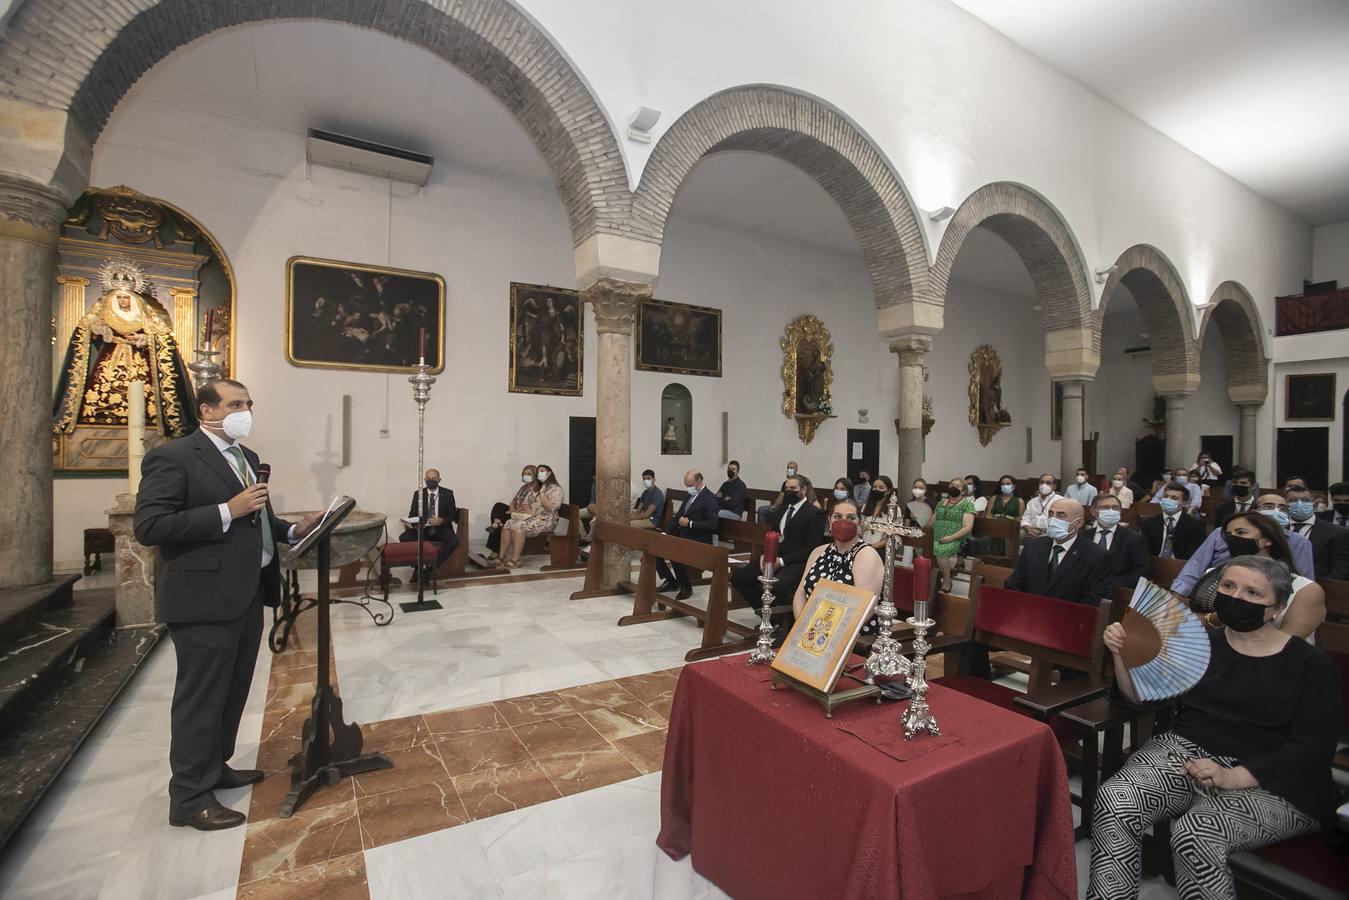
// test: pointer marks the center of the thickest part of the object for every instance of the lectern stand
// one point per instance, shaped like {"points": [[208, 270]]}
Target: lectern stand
{"points": [[332, 748]]}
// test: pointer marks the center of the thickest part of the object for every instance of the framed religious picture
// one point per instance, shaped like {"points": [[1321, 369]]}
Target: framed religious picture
{"points": [[1309, 398], [819, 643], [547, 341], [1056, 410], [344, 315], [986, 412], [677, 337]]}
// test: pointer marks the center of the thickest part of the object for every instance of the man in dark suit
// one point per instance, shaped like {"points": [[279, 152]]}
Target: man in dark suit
{"points": [[437, 504], [731, 494], [1128, 551], [200, 503], [1338, 514], [1330, 543], [800, 526], [1061, 563], [1175, 534], [696, 520], [1242, 490]]}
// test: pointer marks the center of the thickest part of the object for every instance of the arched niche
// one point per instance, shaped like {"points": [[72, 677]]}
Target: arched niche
{"points": [[676, 420]]}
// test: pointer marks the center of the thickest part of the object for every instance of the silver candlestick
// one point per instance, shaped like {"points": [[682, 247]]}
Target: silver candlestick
{"points": [[421, 395], [763, 650], [918, 717], [885, 658], [204, 368]]}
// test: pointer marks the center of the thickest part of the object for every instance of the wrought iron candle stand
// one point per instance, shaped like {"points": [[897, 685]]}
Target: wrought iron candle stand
{"points": [[763, 650], [204, 368], [421, 395], [886, 659], [918, 717]]}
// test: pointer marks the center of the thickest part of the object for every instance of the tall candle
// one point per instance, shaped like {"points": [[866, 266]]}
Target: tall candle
{"points": [[922, 578], [421, 345], [770, 552], [135, 433], [210, 326]]}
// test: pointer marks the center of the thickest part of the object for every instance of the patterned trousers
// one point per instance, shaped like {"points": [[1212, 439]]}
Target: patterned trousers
{"points": [[1206, 827]]}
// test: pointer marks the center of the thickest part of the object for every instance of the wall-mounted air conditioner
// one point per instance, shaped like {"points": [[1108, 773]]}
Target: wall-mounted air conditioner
{"points": [[341, 151]]}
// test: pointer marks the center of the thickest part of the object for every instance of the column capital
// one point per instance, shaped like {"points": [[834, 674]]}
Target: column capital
{"points": [[29, 210], [1175, 398], [72, 279], [614, 303], [911, 348]]}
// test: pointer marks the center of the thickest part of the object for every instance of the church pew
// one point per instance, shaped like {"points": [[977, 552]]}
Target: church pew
{"points": [[564, 550], [718, 629], [1162, 572], [1006, 530]]}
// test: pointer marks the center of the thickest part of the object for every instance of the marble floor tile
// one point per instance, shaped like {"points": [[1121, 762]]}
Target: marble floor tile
{"points": [[417, 765], [532, 708], [395, 734], [340, 878], [464, 753], [589, 875], [450, 863], [315, 834], [624, 721], [645, 751], [490, 792], [566, 734], [468, 720], [599, 695], [398, 815], [573, 773]]}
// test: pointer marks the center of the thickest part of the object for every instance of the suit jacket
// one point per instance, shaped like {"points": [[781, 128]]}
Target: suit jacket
{"points": [[1327, 515], [1330, 549], [204, 574], [1188, 536], [731, 495], [804, 533], [701, 511], [1128, 555], [1083, 574], [445, 508], [1228, 507]]}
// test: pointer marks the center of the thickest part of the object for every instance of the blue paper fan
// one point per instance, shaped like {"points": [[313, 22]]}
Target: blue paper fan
{"points": [[1166, 646]]}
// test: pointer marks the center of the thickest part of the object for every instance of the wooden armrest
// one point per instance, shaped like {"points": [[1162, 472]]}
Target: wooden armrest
{"points": [[1049, 701]]}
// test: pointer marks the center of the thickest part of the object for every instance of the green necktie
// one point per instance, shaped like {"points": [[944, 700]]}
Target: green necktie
{"points": [[1054, 558], [268, 542]]}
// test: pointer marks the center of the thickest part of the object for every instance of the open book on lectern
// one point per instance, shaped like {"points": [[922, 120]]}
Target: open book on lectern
{"points": [[338, 510]]}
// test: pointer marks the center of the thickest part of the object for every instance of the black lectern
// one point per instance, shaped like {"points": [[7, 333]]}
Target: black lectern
{"points": [[332, 748]]}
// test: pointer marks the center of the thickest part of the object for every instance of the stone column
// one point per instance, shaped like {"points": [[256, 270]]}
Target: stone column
{"points": [[1071, 428], [1178, 449], [911, 349], [614, 304], [1246, 441], [135, 595], [30, 215]]}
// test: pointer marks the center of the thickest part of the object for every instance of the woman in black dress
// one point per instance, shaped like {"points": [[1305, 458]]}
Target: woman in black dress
{"points": [[845, 559], [1247, 760]]}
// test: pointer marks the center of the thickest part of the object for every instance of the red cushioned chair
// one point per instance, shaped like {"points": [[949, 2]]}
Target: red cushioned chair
{"points": [[404, 553]]}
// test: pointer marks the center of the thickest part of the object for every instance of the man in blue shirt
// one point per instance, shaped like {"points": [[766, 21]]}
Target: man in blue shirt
{"points": [[1081, 490], [1182, 478], [651, 505], [1214, 552]]}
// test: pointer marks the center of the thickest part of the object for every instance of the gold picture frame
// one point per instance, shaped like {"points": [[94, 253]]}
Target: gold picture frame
{"points": [[547, 341], [679, 338], [986, 412], [807, 375], [372, 321]]}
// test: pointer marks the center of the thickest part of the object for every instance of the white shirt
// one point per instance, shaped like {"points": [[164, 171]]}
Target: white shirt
{"points": [[225, 518], [1109, 536], [1303, 528], [1066, 545], [1037, 511], [793, 509]]}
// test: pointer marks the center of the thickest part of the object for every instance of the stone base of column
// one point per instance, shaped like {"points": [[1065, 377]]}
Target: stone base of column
{"points": [[135, 595]]}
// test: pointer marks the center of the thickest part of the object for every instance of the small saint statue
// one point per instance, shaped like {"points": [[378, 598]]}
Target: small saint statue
{"points": [[125, 337]]}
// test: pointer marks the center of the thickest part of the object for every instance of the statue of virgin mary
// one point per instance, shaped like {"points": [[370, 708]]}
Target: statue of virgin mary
{"points": [[126, 336]]}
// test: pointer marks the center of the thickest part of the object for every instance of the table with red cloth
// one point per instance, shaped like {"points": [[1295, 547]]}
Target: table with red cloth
{"points": [[774, 800]]}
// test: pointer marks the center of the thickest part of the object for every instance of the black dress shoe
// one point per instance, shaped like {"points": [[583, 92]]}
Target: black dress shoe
{"points": [[237, 778], [212, 818], [665, 586], [684, 594]]}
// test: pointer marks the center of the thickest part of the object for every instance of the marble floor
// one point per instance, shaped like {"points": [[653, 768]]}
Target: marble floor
{"points": [[527, 731]]}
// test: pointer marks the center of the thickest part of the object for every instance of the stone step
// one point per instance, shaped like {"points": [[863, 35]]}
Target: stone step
{"points": [[39, 744], [35, 659], [22, 607]]}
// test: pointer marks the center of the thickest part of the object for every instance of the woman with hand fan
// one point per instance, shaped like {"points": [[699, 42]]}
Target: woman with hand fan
{"points": [[1247, 760]]}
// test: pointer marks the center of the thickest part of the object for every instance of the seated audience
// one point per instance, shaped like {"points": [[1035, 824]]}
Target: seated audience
{"points": [[502, 512], [650, 505], [800, 529], [1330, 543], [1247, 759], [696, 520], [974, 489], [1006, 504], [952, 522], [1194, 496], [918, 511], [1081, 490], [1338, 514], [539, 516], [1206, 471], [1120, 490], [845, 559], [592, 508], [764, 514], [1131, 484], [1128, 551], [1174, 534], [1240, 495], [878, 504], [1251, 534], [441, 516], [731, 494], [1061, 564], [1213, 551], [1034, 520], [842, 491], [861, 491]]}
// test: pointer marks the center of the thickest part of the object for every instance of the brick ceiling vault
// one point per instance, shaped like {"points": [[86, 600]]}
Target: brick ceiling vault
{"points": [[1165, 306], [1233, 310]]}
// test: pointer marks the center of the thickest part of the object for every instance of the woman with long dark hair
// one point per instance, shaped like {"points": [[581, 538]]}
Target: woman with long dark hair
{"points": [[538, 517]]}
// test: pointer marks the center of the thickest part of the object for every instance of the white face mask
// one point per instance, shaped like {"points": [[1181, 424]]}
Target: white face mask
{"points": [[542, 475], [920, 493], [647, 482], [1118, 483], [1046, 489], [791, 472], [237, 425], [526, 479], [1081, 479]]}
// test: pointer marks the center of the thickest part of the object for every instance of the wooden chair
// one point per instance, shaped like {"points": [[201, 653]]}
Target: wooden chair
{"points": [[755, 496], [97, 541], [990, 575], [564, 550], [1162, 572], [1144, 509], [1129, 518], [1006, 530]]}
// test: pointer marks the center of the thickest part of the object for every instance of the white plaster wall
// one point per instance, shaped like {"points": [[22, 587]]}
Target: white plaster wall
{"points": [[1330, 253], [1339, 365], [1121, 396], [1210, 410]]}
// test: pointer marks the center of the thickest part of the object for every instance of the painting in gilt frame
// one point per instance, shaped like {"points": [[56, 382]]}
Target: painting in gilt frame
{"points": [[678, 337], [820, 641], [1309, 398], [547, 349], [346, 315], [986, 411]]}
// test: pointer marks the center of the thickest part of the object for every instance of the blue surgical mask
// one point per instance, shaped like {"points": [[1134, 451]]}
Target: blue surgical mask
{"points": [[1169, 505], [1058, 529], [1107, 518], [1006, 488], [1182, 479], [1301, 510], [1277, 515], [840, 494]]}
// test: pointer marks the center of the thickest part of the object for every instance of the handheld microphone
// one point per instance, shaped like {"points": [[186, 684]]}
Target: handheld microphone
{"points": [[264, 473]]}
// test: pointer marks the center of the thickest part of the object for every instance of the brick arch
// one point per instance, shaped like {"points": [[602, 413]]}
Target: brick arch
{"points": [[1234, 311], [817, 139], [1165, 305], [83, 55], [1039, 235]]}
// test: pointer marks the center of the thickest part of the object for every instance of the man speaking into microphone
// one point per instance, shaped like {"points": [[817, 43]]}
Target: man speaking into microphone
{"points": [[202, 504]]}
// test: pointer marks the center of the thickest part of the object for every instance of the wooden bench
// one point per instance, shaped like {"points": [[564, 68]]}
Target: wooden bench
{"points": [[1006, 530], [564, 550], [97, 541], [718, 629], [753, 497], [1162, 572]]}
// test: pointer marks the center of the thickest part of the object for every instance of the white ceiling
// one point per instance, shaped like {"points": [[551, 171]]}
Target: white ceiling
{"points": [[1259, 88]]}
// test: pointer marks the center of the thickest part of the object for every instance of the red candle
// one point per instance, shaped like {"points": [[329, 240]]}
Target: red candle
{"points": [[922, 577], [770, 548], [210, 323], [421, 344]]}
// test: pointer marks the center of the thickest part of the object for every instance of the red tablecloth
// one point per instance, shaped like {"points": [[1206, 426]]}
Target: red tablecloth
{"points": [[775, 800]]}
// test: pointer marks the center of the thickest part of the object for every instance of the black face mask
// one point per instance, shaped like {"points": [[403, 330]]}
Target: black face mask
{"points": [[953, 491], [791, 498], [1342, 508], [1240, 490], [1241, 546], [1238, 614], [432, 483], [731, 473]]}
